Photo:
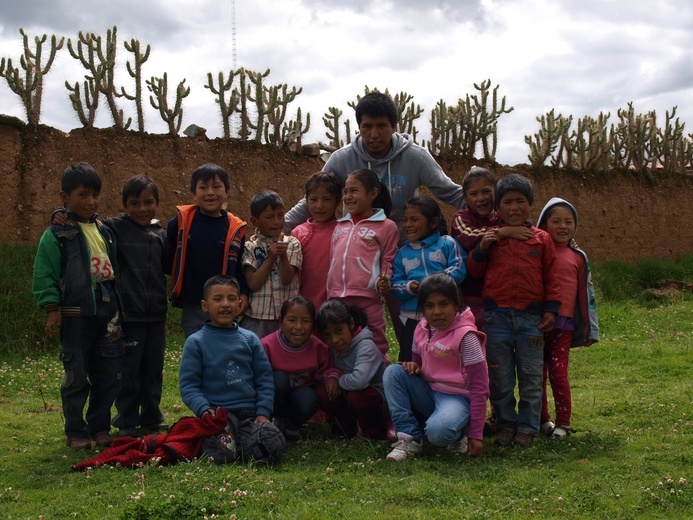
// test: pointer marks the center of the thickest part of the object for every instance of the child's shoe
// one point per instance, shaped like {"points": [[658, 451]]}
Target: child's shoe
{"points": [[505, 436], [547, 428], [560, 433], [523, 438], [127, 432], [459, 446], [102, 439], [78, 443], [404, 448]]}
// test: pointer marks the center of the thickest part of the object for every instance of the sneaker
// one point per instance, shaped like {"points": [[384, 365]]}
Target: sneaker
{"points": [[547, 428], [127, 432], [459, 446], [404, 448], [156, 428], [523, 438], [102, 439], [491, 427], [560, 433], [505, 435], [78, 443]]}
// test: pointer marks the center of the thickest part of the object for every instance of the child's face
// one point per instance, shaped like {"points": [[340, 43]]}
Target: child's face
{"points": [[82, 201], [479, 196], [356, 198], [439, 310], [561, 225], [338, 336], [210, 196], [322, 204], [142, 209], [415, 225], [270, 222], [297, 324], [223, 304], [514, 208]]}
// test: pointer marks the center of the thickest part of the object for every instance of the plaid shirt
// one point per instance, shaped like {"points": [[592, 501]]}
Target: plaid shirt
{"points": [[266, 303]]}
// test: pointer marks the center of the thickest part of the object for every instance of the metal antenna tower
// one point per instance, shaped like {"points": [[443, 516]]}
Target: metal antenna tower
{"points": [[233, 31]]}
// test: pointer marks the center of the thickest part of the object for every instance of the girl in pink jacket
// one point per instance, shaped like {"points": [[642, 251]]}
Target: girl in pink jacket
{"points": [[364, 244]]}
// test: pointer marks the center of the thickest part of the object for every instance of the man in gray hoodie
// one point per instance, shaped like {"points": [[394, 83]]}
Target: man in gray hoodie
{"points": [[401, 164]]}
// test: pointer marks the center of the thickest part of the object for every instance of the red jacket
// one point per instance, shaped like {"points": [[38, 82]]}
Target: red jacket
{"points": [[519, 275]]}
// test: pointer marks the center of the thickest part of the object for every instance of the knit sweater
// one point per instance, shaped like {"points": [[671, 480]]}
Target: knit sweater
{"points": [[306, 364], [227, 368]]}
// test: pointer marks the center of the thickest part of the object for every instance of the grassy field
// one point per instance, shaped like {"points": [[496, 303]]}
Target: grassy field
{"points": [[630, 456]]}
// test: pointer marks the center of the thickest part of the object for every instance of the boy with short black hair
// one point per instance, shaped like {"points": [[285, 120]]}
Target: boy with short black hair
{"points": [[203, 240], [225, 366], [271, 262], [75, 283], [521, 298]]}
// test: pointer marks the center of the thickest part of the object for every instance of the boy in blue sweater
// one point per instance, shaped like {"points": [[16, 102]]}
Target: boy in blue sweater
{"points": [[225, 366]]}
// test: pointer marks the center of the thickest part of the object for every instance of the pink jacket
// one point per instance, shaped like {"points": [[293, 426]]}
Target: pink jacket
{"points": [[315, 240], [443, 369], [359, 253]]}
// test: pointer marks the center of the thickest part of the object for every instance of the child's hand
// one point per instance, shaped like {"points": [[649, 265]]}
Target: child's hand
{"points": [[414, 286], [244, 304], [278, 248], [52, 323], [475, 447], [261, 418], [332, 387], [489, 238], [59, 217], [411, 367], [517, 232], [547, 322], [210, 412], [383, 285]]}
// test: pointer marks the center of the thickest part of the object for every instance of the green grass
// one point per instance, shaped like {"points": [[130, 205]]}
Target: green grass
{"points": [[630, 456]]}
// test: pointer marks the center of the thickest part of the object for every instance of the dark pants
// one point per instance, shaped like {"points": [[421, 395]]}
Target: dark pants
{"points": [[354, 409], [92, 353], [406, 339], [143, 366], [296, 405]]}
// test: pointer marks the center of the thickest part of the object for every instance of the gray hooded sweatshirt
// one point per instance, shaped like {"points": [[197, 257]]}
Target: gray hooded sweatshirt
{"points": [[406, 167]]}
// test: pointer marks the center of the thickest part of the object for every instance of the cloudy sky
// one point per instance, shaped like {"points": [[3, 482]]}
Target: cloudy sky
{"points": [[577, 57]]}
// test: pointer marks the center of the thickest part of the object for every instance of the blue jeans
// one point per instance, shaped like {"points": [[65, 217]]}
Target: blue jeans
{"points": [[515, 345], [296, 405], [447, 415]]}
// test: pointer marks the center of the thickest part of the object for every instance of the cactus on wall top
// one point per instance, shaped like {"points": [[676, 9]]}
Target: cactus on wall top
{"points": [[136, 72], [172, 116], [226, 106], [90, 53], [256, 78], [30, 87], [276, 99], [86, 112]]}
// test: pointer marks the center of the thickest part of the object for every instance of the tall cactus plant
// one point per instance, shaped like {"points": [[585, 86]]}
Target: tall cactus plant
{"points": [[276, 101], [86, 111], [171, 116], [136, 73], [89, 51], [30, 87], [262, 103], [226, 106]]}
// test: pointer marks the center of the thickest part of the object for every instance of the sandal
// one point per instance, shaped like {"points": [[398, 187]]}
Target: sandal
{"points": [[560, 433], [547, 428]]}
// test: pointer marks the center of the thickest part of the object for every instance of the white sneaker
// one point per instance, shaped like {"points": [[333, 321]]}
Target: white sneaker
{"points": [[459, 446], [547, 428], [405, 447]]}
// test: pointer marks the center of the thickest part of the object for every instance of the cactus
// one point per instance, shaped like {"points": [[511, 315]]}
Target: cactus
{"points": [[406, 113], [226, 107], [276, 100], [259, 100], [485, 118], [331, 120], [545, 142], [591, 144], [91, 101], [240, 93], [293, 131], [30, 87], [173, 117], [638, 135], [103, 71], [136, 73], [671, 144]]}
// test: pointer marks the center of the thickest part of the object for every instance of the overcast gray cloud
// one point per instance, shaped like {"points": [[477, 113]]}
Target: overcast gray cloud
{"points": [[577, 57]]}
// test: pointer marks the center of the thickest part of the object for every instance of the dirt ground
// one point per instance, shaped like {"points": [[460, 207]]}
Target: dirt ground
{"points": [[621, 216]]}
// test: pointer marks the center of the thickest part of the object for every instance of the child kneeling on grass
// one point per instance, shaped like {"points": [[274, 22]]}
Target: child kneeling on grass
{"points": [[447, 379], [225, 366]]}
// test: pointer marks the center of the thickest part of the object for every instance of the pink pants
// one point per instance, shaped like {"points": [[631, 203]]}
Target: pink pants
{"points": [[556, 352]]}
